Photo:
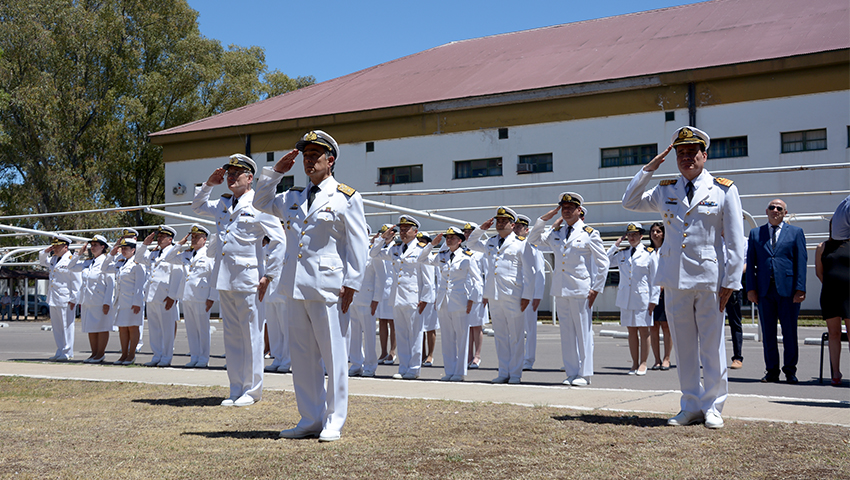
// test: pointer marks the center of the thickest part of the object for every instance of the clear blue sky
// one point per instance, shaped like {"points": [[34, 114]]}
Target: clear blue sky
{"points": [[333, 38]]}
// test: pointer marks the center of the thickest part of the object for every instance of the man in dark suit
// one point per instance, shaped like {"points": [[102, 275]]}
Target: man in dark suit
{"points": [[776, 277]]}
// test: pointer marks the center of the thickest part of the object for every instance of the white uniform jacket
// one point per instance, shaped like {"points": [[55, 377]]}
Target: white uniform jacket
{"points": [[197, 269], [509, 267], [328, 241], [637, 288], [571, 276], [538, 270], [129, 281], [239, 249], [164, 280], [457, 276], [692, 256], [98, 287], [373, 286], [411, 284], [64, 285]]}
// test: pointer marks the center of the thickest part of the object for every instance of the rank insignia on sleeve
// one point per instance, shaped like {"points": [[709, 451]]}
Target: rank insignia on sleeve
{"points": [[664, 183], [588, 229], [345, 189], [724, 181]]}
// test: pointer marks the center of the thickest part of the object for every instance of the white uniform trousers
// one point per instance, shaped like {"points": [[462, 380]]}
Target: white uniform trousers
{"points": [[278, 333], [362, 352], [576, 335], [62, 321], [509, 328], [243, 342], [454, 340], [696, 325], [161, 330], [530, 335], [317, 335], [409, 325], [197, 330]]}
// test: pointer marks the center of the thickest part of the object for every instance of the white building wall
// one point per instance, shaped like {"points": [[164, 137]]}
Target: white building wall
{"points": [[576, 149]]}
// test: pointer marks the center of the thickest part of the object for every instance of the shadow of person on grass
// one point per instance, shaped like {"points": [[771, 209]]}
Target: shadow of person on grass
{"points": [[246, 435], [181, 401], [629, 420]]}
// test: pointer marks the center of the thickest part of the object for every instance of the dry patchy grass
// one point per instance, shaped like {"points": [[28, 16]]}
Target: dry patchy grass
{"points": [[74, 429]]}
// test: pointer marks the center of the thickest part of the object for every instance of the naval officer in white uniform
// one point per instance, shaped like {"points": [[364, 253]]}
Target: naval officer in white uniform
{"points": [[412, 291], [699, 265], [242, 277], [197, 292], [578, 276], [508, 289], [63, 291], [325, 265]]}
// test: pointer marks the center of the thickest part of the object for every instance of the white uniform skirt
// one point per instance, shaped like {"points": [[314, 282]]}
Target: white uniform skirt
{"points": [[124, 317], [384, 310], [635, 318], [479, 315], [94, 321], [432, 322]]}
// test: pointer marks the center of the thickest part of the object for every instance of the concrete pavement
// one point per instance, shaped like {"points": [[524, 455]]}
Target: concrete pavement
{"points": [[23, 350]]}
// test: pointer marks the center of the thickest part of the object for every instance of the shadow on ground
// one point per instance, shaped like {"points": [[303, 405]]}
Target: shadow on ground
{"points": [[630, 420], [181, 401], [247, 435]]}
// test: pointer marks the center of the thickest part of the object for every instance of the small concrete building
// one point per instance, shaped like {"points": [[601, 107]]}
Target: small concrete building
{"points": [[515, 119]]}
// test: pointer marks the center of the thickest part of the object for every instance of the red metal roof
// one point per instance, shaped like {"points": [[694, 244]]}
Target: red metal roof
{"points": [[714, 33]]}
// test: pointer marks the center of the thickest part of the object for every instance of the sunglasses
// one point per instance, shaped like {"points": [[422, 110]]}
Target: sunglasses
{"points": [[774, 207]]}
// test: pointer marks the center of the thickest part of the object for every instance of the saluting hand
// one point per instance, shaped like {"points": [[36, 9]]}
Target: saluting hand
{"points": [[149, 239], [551, 213], [489, 223], [436, 240], [286, 162], [657, 161], [184, 240], [388, 235], [217, 177]]}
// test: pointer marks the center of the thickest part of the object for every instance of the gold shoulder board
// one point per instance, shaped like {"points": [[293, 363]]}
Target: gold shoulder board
{"points": [[468, 252], [520, 237], [650, 249], [226, 195], [664, 183], [297, 189], [724, 181], [588, 229], [348, 191], [422, 244]]}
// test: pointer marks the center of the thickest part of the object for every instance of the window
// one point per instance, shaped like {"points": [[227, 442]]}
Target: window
{"points": [[393, 175], [370, 146], [669, 116], [269, 156], [503, 133], [635, 155], [537, 163], [285, 184], [728, 147], [486, 167], [804, 141]]}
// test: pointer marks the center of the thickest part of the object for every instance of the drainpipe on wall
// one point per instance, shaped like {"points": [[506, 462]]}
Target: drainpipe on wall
{"points": [[248, 145], [692, 104]]}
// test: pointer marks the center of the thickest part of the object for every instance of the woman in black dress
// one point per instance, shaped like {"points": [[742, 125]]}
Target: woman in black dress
{"points": [[832, 265], [659, 316]]}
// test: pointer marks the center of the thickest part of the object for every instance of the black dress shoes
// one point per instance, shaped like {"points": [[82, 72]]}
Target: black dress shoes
{"points": [[792, 379], [770, 378]]}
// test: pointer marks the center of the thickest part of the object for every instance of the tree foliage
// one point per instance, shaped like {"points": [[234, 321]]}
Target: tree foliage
{"points": [[83, 83]]}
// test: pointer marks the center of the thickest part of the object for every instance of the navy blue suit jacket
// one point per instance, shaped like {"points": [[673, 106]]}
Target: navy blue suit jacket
{"points": [[786, 262]]}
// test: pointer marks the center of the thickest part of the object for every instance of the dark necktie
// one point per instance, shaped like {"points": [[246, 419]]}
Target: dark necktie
{"points": [[501, 241], [569, 232], [773, 235], [404, 248], [312, 195], [689, 188], [633, 252], [451, 256]]}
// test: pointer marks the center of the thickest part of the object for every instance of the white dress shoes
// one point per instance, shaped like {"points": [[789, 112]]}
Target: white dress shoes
{"points": [[409, 376], [227, 402], [328, 436], [580, 381], [456, 378], [201, 365], [368, 373], [354, 371], [713, 420], [271, 368], [163, 364], [499, 379], [244, 401], [445, 378], [686, 418], [284, 369], [397, 376], [298, 432], [152, 363], [514, 380], [191, 364]]}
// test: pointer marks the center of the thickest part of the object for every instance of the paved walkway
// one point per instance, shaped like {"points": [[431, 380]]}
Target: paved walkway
{"points": [[741, 406]]}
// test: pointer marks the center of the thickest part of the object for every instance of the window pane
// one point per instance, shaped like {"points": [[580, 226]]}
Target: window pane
{"points": [[815, 140], [792, 142]]}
